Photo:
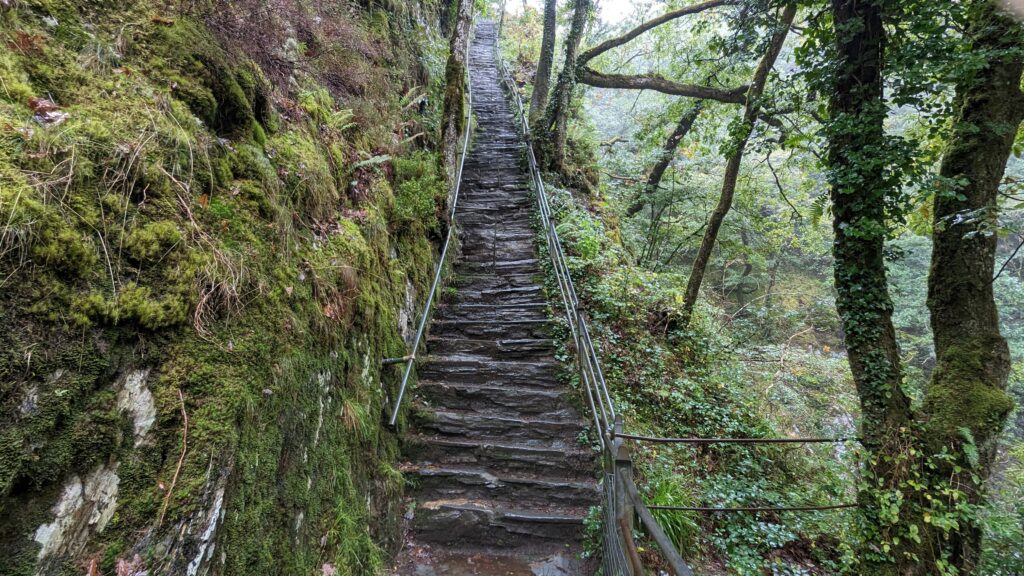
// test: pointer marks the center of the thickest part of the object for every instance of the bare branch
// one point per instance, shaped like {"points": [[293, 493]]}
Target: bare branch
{"points": [[607, 45], [657, 83]]}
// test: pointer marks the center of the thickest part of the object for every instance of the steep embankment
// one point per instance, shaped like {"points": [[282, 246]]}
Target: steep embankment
{"points": [[215, 221]]}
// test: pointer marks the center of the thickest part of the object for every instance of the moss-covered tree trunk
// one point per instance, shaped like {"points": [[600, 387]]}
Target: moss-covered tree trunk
{"points": [[556, 118], [732, 169], [454, 114], [967, 390], [542, 83], [860, 188]]}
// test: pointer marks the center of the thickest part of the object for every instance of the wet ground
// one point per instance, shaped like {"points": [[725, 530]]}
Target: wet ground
{"points": [[425, 561]]}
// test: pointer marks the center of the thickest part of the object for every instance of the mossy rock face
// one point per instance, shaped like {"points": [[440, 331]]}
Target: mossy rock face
{"points": [[202, 237], [202, 75]]}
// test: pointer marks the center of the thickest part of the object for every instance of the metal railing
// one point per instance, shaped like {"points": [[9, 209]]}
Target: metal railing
{"points": [[622, 501], [410, 359]]}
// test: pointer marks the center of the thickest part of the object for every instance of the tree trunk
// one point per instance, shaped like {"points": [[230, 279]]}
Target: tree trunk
{"points": [[668, 152], [557, 116], [454, 113], [858, 161], [542, 83], [732, 168], [968, 386]]}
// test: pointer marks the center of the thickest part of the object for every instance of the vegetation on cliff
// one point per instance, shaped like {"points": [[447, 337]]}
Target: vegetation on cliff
{"points": [[216, 220]]}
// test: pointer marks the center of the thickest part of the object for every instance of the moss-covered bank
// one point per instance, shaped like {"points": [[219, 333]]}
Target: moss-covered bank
{"points": [[202, 262]]}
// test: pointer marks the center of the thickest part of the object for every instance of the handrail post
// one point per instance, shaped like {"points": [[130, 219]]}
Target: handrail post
{"points": [[621, 465]]}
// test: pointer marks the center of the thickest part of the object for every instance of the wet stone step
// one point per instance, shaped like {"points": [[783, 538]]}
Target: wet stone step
{"points": [[506, 491], [469, 522], [494, 313], [483, 371], [496, 400], [483, 281], [499, 296], [471, 425], [501, 456], [482, 329], [525, 350]]}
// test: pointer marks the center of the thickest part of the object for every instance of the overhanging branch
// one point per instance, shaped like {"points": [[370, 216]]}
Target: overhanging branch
{"points": [[655, 82], [607, 45]]}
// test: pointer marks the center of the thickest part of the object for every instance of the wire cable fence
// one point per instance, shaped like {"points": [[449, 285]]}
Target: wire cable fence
{"points": [[622, 502]]}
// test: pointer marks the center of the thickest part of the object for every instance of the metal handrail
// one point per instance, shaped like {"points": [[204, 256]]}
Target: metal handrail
{"points": [[410, 359], [592, 377], [622, 498]]}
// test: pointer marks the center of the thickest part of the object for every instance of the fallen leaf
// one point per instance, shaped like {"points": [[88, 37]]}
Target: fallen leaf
{"points": [[162, 20], [204, 200]]}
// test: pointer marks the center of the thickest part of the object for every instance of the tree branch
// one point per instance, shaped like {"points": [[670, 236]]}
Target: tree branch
{"points": [[655, 82], [607, 45]]}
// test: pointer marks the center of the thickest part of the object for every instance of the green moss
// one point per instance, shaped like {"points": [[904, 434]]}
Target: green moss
{"points": [[67, 251], [958, 398], [202, 77], [151, 240], [142, 239]]}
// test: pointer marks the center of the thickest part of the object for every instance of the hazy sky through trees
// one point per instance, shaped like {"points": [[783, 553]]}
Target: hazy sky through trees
{"points": [[611, 10]]}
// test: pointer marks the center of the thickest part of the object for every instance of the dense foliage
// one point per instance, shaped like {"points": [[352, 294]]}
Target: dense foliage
{"points": [[767, 352]]}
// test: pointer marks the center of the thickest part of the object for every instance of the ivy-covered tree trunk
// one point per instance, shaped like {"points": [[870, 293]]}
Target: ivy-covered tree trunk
{"points": [[454, 113], [967, 391], [732, 169], [668, 152], [542, 83], [861, 186], [556, 118]]}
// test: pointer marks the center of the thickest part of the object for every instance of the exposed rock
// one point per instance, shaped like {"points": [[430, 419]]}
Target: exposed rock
{"points": [[135, 398], [83, 509]]}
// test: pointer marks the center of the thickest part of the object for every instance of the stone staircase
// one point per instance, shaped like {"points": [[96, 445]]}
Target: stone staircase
{"points": [[500, 484]]}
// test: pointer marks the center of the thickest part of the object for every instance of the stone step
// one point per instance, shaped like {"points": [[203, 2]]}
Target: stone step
{"points": [[515, 295], [470, 522], [495, 312], [491, 329], [483, 281], [505, 490], [499, 264], [526, 430], [484, 371], [527, 349], [501, 456], [497, 400]]}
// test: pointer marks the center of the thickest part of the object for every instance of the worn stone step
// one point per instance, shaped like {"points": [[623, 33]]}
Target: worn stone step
{"points": [[497, 400], [490, 328], [514, 295], [485, 371], [535, 431], [502, 456], [471, 522], [497, 312], [506, 348], [504, 490], [495, 263], [485, 281], [518, 235]]}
